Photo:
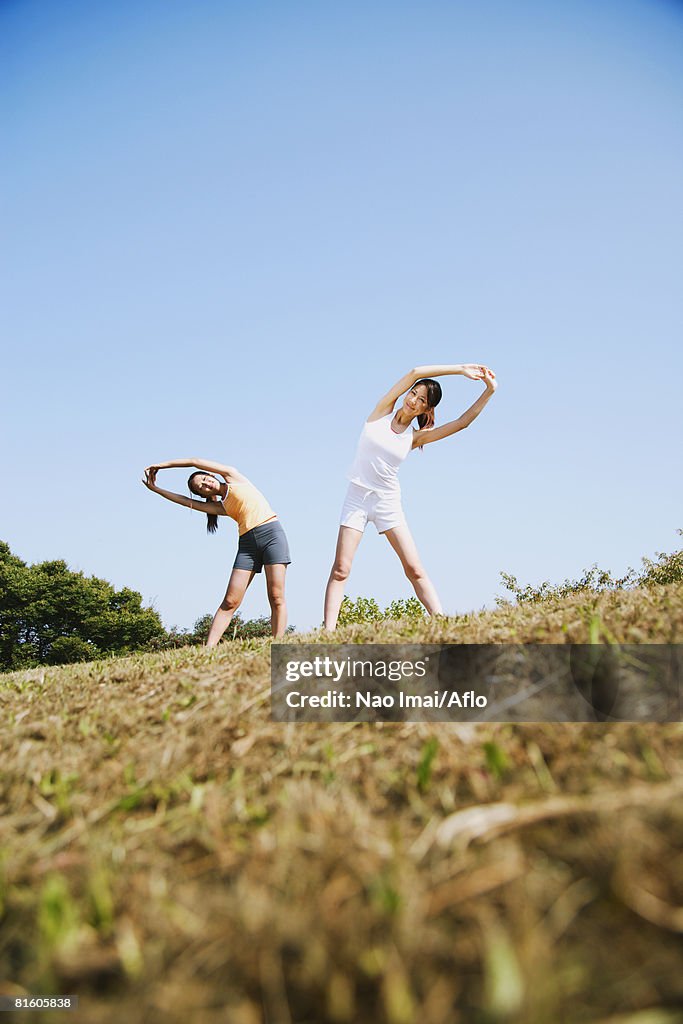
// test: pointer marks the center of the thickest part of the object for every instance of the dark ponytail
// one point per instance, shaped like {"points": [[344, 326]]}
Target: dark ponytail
{"points": [[426, 419], [211, 519]]}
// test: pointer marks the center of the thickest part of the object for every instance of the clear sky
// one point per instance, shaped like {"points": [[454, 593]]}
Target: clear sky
{"points": [[229, 227]]}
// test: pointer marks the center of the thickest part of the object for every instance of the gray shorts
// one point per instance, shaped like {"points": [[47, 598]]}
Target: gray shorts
{"points": [[263, 545]]}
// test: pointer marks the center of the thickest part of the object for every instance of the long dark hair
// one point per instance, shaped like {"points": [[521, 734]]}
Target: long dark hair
{"points": [[434, 393], [211, 519]]}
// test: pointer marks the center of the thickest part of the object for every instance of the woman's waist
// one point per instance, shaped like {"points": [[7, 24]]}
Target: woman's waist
{"points": [[245, 525], [363, 486], [371, 473]]}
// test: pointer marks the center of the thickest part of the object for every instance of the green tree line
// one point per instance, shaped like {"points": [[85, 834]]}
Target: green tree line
{"points": [[51, 615]]}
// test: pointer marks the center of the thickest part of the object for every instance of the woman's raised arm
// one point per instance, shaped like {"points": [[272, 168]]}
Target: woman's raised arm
{"points": [[214, 508], [387, 402], [429, 434], [229, 472]]}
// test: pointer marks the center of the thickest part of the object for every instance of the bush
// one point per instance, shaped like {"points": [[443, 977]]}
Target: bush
{"points": [[366, 609], [171, 639], [666, 569], [68, 649], [201, 628], [408, 609], [239, 629], [593, 580], [249, 629]]}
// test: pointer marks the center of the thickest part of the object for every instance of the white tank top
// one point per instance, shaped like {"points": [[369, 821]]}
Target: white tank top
{"points": [[379, 455]]}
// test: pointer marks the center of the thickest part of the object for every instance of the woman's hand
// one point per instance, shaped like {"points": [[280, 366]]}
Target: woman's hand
{"points": [[474, 371], [489, 379], [150, 478]]}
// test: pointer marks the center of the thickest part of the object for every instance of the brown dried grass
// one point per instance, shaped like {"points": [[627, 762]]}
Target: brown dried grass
{"points": [[169, 853]]}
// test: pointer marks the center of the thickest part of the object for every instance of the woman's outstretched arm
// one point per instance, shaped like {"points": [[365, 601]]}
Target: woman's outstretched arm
{"points": [[474, 371], [228, 472], [429, 434], [214, 508]]}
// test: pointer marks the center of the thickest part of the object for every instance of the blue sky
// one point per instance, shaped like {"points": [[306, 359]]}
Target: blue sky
{"points": [[229, 227]]}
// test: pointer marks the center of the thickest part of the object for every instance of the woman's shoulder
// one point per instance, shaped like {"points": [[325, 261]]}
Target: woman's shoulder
{"points": [[241, 481], [377, 417], [247, 490]]}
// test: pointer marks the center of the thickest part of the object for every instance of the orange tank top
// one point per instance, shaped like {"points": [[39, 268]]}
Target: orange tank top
{"points": [[247, 506]]}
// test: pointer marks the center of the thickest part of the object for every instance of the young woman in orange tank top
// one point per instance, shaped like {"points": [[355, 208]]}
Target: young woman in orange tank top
{"points": [[262, 540]]}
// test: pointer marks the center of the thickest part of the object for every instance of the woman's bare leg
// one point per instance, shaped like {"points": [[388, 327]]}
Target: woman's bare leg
{"points": [[348, 540], [237, 588], [403, 544], [275, 582]]}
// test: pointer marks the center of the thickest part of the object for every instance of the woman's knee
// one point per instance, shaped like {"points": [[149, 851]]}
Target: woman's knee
{"points": [[276, 596], [341, 569], [414, 572], [230, 603]]}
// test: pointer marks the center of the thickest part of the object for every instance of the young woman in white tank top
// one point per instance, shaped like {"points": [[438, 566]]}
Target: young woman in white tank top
{"points": [[374, 494]]}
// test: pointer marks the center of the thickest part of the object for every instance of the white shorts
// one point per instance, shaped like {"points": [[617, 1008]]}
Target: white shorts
{"points": [[362, 506]]}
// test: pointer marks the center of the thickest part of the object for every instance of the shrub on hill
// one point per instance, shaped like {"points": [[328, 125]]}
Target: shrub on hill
{"points": [[366, 609], [239, 629], [667, 568]]}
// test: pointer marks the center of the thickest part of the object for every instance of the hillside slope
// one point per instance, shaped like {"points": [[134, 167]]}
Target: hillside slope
{"points": [[169, 853]]}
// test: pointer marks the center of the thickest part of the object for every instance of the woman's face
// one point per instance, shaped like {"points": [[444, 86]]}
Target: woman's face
{"points": [[415, 402], [206, 485]]}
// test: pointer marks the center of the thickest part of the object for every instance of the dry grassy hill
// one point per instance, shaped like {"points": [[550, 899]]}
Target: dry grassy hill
{"points": [[170, 854]]}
